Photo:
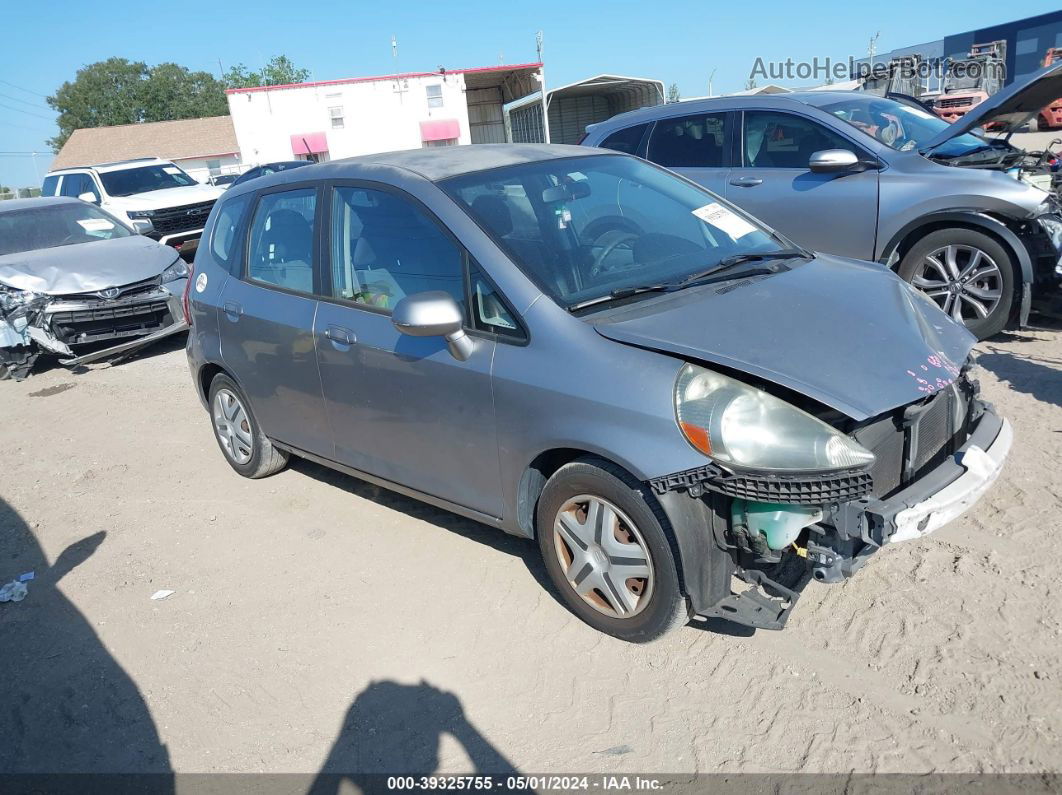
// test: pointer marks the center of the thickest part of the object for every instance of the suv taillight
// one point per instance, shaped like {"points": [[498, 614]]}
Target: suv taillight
{"points": [[185, 307]]}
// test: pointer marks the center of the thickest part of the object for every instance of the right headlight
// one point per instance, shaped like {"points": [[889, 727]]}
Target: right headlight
{"points": [[736, 424]]}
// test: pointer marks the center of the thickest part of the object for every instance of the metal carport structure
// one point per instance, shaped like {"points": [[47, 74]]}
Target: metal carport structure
{"points": [[574, 106]]}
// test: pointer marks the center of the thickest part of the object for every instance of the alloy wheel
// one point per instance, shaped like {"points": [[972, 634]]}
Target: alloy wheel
{"points": [[604, 557], [963, 280], [233, 426]]}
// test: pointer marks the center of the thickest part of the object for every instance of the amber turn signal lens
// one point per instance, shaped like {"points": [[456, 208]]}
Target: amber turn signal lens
{"points": [[698, 437]]}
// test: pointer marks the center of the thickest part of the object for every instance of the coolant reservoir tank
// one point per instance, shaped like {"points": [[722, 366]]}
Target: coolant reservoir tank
{"points": [[779, 523]]}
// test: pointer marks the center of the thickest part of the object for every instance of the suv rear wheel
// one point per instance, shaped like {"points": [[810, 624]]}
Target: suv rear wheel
{"points": [[967, 273], [602, 537]]}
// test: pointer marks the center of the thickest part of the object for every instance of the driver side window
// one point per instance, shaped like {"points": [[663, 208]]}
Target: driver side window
{"points": [[782, 140], [384, 248]]}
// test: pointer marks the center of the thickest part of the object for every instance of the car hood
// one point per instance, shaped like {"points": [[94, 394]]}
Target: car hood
{"points": [[1011, 108], [168, 197], [86, 267], [849, 334]]}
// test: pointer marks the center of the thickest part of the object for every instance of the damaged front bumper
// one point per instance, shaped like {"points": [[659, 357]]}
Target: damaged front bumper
{"points": [[846, 524], [74, 327]]}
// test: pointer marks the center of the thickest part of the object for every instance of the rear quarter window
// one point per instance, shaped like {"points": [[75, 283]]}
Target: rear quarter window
{"points": [[228, 233], [625, 140], [49, 186]]}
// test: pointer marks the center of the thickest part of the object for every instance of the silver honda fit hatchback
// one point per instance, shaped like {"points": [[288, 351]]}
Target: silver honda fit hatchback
{"points": [[578, 347]]}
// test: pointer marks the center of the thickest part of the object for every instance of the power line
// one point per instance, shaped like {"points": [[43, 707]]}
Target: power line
{"points": [[22, 101], [22, 127], [20, 110], [20, 88]]}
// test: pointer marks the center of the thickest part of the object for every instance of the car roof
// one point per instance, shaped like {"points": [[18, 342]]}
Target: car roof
{"points": [[710, 104], [438, 163], [39, 201], [115, 165], [433, 164]]}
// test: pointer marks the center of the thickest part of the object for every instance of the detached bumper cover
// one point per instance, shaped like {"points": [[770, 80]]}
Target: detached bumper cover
{"points": [[953, 487]]}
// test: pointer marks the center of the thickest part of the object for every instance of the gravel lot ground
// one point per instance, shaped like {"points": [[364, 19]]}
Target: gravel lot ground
{"points": [[321, 623]]}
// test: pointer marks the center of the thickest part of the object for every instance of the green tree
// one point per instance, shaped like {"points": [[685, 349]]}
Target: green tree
{"points": [[280, 71], [173, 92], [673, 93], [117, 91], [102, 94]]}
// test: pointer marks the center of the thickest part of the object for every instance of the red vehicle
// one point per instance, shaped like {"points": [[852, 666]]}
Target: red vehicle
{"points": [[972, 81], [1050, 118]]}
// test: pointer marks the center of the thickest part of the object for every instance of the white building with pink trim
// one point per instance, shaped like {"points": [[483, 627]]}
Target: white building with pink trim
{"points": [[331, 119]]}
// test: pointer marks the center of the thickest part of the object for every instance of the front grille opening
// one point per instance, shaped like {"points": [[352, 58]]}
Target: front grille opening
{"points": [[110, 323]]}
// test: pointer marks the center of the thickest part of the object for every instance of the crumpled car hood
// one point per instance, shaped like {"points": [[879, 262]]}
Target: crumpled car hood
{"points": [[849, 334], [86, 267]]}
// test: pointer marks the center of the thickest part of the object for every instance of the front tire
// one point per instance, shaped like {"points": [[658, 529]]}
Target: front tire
{"points": [[238, 434], [604, 541], [968, 274]]}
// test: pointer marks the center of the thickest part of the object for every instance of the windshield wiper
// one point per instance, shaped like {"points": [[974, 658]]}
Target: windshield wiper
{"points": [[727, 263]]}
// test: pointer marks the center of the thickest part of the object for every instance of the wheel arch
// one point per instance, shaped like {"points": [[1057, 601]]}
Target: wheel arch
{"points": [[205, 376], [703, 568], [977, 221]]}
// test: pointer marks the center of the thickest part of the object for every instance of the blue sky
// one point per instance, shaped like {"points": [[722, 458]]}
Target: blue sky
{"points": [[675, 41]]}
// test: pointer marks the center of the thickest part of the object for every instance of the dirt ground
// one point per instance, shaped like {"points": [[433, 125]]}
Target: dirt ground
{"points": [[319, 623]]}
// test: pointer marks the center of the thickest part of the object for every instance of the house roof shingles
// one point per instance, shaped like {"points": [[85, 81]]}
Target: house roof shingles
{"points": [[170, 140]]}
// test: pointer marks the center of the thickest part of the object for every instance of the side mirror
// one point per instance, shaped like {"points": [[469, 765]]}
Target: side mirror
{"points": [[830, 161], [142, 226], [434, 314], [89, 197]]}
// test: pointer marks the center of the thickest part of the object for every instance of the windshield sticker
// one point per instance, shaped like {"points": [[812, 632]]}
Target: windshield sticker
{"points": [[171, 169], [95, 224], [724, 219]]}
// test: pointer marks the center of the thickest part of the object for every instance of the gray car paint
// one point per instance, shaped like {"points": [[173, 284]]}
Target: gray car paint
{"points": [[86, 267], [908, 187], [570, 386]]}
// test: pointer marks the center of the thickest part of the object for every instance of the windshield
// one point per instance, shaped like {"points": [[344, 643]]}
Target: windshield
{"points": [[52, 225], [584, 227], [900, 126], [144, 180]]}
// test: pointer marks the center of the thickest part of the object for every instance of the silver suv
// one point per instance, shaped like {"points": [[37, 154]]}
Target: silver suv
{"points": [[873, 178], [662, 410]]}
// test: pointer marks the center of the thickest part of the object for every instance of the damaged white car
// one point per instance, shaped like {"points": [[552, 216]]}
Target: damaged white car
{"points": [[77, 282]]}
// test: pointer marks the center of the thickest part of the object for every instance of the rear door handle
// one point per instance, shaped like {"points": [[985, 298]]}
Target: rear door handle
{"points": [[233, 310], [746, 182], [340, 335]]}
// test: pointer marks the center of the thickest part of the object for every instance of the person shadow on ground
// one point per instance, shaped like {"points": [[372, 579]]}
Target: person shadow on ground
{"points": [[395, 729], [66, 705]]}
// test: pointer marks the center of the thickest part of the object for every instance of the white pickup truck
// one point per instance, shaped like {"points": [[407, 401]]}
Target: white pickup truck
{"points": [[148, 189]]}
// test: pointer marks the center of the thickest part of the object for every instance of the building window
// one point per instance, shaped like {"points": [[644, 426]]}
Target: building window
{"points": [[214, 166], [336, 114], [435, 97]]}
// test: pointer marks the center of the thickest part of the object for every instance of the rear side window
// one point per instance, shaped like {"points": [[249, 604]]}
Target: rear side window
{"points": [[782, 140], [688, 141], [76, 184], [281, 241], [49, 186], [625, 140], [227, 235]]}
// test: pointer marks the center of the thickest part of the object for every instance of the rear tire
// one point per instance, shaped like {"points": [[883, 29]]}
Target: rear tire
{"points": [[604, 540], [238, 434], [968, 274]]}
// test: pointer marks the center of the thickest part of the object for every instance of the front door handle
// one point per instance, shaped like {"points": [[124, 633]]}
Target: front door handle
{"points": [[746, 182], [233, 310], [340, 335]]}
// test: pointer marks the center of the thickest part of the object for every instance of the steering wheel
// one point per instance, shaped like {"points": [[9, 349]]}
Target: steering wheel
{"points": [[609, 242]]}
